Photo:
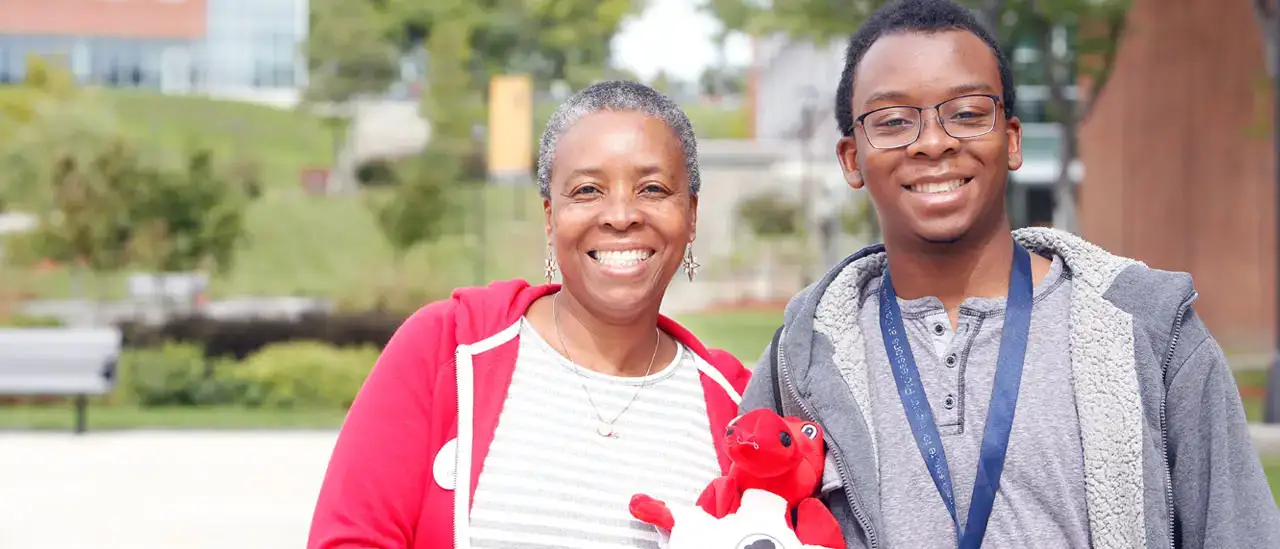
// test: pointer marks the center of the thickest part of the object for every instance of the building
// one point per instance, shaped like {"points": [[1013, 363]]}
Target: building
{"points": [[1181, 162], [235, 49]]}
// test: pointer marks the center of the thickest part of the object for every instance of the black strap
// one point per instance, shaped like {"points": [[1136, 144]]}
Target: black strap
{"points": [[773, 362]]}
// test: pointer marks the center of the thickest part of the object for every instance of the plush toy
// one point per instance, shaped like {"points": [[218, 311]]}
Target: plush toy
{"points": [[768, 495]]}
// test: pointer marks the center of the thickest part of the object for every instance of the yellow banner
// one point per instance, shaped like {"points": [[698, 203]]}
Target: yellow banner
{"points": [[510, 125]]}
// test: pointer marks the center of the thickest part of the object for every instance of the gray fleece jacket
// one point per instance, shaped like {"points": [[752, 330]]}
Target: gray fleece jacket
{"points": [[1167, 454]]}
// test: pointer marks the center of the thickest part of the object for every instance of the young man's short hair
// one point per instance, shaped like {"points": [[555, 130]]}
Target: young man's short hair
{"points": [[914, 16]]}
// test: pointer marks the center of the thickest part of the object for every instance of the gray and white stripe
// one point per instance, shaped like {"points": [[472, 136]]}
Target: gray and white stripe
{"points": [[550, 481]]}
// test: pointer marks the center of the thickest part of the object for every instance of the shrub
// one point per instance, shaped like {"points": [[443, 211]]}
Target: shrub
{"points": [[303, 374], [770, 215], [173, 374], [242, 337]]}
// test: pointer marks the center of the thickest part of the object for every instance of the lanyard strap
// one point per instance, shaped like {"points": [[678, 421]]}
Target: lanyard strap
{"points": [[1004, 398]]}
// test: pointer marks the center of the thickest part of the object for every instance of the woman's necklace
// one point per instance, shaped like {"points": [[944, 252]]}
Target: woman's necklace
{"points": [[603, 428]]}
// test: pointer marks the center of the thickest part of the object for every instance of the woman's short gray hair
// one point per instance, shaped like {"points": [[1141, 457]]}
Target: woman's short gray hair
{"points": [[617, 96]]}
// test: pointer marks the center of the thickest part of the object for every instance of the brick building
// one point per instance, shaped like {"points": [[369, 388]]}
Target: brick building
{"points": [[246, 49], [1179, 163]]}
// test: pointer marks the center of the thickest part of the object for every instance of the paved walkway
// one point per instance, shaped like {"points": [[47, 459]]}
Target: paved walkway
{"points": [[159, 490], [188, 490]]}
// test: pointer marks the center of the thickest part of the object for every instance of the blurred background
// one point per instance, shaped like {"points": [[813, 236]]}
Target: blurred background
{"points": [[242, 199]]}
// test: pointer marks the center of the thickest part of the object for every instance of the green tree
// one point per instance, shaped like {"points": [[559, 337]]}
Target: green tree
{"points": [[347, 51], [70, 167], [348, 55], [549, 39], [191, 216], [414, 211], [105, 202], [1092, 28], [45, 83]]}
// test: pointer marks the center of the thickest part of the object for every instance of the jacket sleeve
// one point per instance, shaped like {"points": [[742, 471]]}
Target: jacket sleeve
{"points": [[372, 492], [1221, 496]]}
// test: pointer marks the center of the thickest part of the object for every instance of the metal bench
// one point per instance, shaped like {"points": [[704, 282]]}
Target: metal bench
{"points": [[75, 362]]}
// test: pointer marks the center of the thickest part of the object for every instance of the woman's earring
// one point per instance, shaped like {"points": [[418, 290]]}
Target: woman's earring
{"points": [[549, 265], [689, 263]]}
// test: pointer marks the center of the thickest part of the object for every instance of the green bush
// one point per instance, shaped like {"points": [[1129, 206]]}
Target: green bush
{"points": [[173, 374], [303, 374]]}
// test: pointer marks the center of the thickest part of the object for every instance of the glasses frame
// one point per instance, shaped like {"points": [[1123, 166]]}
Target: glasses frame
{"points": [[920, 110]]}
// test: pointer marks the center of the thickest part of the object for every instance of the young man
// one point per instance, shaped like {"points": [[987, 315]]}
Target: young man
{"points": [[980, 388]]}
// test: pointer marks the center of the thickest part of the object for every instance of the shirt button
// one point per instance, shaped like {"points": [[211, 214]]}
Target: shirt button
{"points": [[949, 402], [938, 328], [950, 360]]}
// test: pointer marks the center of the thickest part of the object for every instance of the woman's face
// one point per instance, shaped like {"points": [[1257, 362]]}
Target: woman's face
{"points": [[620, 212]]}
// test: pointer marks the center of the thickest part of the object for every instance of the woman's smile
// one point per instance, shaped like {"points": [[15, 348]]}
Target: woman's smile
{"points": [[621, 262]]}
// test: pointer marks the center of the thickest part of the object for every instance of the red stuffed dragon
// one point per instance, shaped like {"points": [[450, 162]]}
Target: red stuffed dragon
{"points": [[782, 457]]}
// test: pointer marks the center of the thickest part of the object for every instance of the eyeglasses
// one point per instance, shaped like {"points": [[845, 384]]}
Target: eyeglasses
{"points": [[961, 117]]}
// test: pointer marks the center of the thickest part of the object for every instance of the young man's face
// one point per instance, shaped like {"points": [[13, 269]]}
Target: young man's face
{"points": [[939, 187]]}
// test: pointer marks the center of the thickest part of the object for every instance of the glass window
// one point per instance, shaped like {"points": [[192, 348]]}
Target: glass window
{"points": [[5, 77]]}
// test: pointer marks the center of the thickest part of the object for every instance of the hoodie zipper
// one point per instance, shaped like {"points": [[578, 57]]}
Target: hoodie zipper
{"points": [[458, 487], [1164, 424], [850, 493]]}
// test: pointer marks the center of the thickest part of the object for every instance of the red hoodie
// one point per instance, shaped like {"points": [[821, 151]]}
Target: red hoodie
{"points": [[390, 480]]}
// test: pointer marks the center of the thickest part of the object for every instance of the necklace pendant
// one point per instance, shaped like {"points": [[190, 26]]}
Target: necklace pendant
{"points": [[606, 430]]}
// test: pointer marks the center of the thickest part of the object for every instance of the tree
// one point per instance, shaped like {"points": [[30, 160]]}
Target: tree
{"points": [[662, 82], [1266, 12], [347, 51], [105, 202], [414, 211], [348, 55], [45, 83], [773, 219], [191, 217], [549, 39], [1093, 29], [70, 167]]}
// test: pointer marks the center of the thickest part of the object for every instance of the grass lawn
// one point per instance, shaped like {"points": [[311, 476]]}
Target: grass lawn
{"points": [[330, 247], [1271, 464], [282, 142], [745, 334]]}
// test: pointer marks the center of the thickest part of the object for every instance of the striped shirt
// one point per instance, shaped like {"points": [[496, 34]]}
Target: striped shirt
{"points": [[550, 480]]}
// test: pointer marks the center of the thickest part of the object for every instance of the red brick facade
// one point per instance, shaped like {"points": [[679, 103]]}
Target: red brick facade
{"points": [[105, 18], [1179, 164]]}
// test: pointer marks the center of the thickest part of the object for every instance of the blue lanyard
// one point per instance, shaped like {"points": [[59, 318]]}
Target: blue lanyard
{"points": [[1004, 398]]}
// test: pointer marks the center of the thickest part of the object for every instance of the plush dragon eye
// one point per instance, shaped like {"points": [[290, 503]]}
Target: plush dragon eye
{"points": [[809, 430], [758, 541]]}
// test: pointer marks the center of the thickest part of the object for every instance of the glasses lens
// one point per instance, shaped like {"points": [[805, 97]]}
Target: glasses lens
{"points": [[892, 127], [968, 116]]}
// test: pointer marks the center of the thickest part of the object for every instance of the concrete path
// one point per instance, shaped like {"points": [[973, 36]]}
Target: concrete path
{"points": [[160, 490], [188, 490]]}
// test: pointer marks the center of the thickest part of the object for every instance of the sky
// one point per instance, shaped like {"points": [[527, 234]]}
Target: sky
{"points": [[675, 36]]}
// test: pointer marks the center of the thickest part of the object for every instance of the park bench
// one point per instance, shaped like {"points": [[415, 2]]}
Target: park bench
{"points": [[75, 362]]}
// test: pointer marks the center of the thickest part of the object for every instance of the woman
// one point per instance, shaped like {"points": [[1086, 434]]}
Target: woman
{"points": [[565, 400]]}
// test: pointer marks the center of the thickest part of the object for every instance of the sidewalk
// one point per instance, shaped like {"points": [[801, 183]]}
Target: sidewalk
{"points": [[1266, 438], [176, 489], [160, 490]]}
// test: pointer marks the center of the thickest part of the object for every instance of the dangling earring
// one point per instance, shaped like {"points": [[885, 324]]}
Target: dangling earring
{"points": [[549, 265], [689, 262]]}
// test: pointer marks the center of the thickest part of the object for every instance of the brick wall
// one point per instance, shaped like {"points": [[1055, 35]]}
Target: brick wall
{"points": [[1173, 174]]}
